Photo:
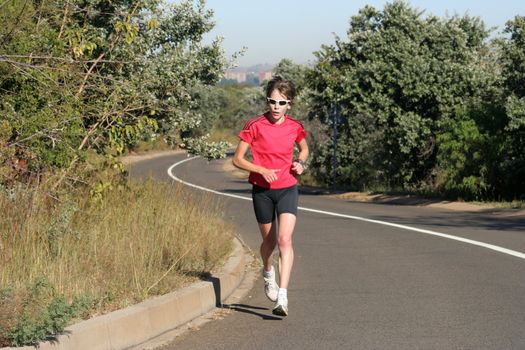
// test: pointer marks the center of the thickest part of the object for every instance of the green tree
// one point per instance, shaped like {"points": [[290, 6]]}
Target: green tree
{"points": [[242, 103], [287, 69], [398, 81], [81, 75], [513, 72]]}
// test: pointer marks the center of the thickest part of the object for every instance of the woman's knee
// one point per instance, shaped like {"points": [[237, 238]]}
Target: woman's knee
{"points": [[285, 241]]}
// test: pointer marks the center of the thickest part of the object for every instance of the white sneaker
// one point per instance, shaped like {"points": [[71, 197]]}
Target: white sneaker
{"points": [[281, 308], [271, 289]]}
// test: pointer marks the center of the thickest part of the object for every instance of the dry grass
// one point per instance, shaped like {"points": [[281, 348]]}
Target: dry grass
{"points": [[157, 144], [224, 135], [142, 240]]}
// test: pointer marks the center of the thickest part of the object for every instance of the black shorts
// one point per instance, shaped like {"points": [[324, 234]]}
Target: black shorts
{"points": [[267, 202]]}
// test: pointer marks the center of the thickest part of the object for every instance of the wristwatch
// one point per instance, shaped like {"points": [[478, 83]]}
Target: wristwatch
{"points": [[300, 161]]}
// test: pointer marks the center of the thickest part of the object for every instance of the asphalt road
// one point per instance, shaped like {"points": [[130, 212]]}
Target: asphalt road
{"points": [[366, 285]]}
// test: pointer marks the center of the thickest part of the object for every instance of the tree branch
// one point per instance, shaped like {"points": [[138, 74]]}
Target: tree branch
{"points": [[81, 88], [63, 59], [64, 19]]}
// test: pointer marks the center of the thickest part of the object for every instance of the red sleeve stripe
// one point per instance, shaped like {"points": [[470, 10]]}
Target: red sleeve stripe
{"points": [[297, 121]]}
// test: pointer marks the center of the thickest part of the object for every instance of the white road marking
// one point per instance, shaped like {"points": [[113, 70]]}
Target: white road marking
{"points": [[385, 223]]}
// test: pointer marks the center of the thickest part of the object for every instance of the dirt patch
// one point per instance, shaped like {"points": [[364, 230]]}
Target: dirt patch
{"points": [[432, 203], [411, 200]]}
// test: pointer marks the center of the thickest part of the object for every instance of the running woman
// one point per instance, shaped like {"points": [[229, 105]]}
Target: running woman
{"points": [[271, 137]]}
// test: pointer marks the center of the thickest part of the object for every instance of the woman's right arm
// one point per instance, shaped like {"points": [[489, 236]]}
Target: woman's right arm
{"points": [[240, 162], [238, 158]]}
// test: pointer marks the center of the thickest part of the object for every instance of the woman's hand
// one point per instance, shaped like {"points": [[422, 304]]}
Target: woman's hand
{"points": [[297, 167], [270, 175]]}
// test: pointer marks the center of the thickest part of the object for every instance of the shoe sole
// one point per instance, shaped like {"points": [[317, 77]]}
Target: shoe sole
{"points": [[280, 311]]}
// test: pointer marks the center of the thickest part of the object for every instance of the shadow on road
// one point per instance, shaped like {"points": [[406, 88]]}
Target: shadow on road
{"points": [[249, 309]]}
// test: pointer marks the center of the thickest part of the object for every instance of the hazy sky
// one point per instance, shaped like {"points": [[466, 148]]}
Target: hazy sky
{"points": [[276, 29]]}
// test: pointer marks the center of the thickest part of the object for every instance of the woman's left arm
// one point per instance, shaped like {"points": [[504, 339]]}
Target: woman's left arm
{"points": [[298, 164]]}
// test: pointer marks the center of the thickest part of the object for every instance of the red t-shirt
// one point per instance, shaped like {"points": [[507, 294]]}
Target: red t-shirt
{"points": [[272, 147]]}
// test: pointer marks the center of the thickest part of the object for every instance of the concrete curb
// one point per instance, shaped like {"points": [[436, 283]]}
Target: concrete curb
{"points": [[138, 323]]}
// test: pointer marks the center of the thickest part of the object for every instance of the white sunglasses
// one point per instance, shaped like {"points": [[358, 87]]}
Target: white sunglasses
{"points": [[279, 102]]}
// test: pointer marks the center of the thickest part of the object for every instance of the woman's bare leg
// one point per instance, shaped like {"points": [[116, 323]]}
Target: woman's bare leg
{"points": [[286, 253], [269, 237]]}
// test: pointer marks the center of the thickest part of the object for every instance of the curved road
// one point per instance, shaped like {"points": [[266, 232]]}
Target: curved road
{"points": [[375, 277]]}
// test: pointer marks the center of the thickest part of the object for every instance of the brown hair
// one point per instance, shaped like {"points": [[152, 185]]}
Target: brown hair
{"points": [[285, 87]]}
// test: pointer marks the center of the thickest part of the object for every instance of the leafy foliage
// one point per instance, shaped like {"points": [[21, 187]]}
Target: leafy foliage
{"points": [[513, 72], [419, 101], [95, 75], [230, 106]]}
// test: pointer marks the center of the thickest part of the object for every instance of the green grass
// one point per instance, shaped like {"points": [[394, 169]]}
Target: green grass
{"points": [[78, 258]]}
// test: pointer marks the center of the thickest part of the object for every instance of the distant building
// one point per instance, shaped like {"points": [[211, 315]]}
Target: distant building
{"points": [[240, 77], [265, 75], [253, 75]]}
